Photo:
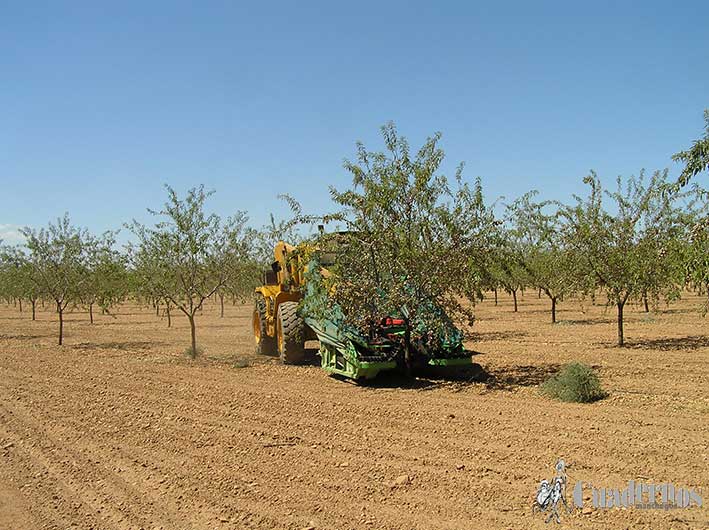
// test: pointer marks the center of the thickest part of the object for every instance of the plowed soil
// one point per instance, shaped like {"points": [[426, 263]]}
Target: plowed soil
{"points": [[117, 429]]}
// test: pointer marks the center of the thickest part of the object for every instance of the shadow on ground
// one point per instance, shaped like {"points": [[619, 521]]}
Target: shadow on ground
{"points": [[511, 377], [460, 377], [691, 342], [584, 322], [20, 336], [493, 336], [123, 346]]}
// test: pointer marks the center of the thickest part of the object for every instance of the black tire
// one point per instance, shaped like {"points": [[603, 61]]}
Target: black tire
{"points": [[290, 332], [265, 345]]}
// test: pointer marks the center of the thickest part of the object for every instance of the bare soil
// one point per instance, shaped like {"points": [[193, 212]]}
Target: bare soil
{"points": [[117, 429]]}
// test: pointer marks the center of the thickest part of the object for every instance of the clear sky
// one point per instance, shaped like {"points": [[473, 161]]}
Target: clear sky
{"points": [[103, 102]]}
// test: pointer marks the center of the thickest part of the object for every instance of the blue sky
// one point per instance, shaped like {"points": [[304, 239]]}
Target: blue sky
{"points": [[103, 102]]}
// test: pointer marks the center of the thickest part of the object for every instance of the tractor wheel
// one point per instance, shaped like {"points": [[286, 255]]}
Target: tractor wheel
{"points": [[265, 345], [290, 330]]}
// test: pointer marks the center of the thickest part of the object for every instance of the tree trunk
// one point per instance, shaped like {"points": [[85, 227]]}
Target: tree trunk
{"points": [[167, 312], [514, 297], [553, 310], [495, 290], [157, 308], [194, 336], [539, 293], [221, 302], [91, 313], [34, 309], [20, 300], [621, 338], [647, 309], [60, 310]]}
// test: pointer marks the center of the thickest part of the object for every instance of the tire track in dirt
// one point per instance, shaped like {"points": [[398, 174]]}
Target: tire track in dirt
{"points": [[76, 475]]}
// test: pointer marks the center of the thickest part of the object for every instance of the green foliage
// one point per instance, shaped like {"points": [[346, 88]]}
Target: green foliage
{"points": [[483, 237], [58, 263], [696, 158], [543, 258], [16, 276], [408, 237], [107, 283], [695, 247], [626, 250], [265, 240], [576, 382], [188, 255]]}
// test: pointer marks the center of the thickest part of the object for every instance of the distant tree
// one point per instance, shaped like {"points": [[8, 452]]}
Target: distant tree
{"points": [[274, 231], [16, 284], [480, 234], [549, 263], [188, 253], [58, 258], [622, 244], [146, 283], [696, 158], [507, 268], [696, 245], [107, 283], [241, 265]]}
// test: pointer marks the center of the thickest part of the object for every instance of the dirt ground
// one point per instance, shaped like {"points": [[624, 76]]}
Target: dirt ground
{"points": [[116, 429]]}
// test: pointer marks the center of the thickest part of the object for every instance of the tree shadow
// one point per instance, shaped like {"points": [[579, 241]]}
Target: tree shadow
{"points": [[494, 336], [117, 322], [676, 310], [122, 346], [690, 342], [584, 322], [510, 377], [220, 326], [20, 336]]}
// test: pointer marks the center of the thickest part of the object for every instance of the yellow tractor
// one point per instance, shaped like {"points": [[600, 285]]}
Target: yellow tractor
{"points": [[278, 328]]}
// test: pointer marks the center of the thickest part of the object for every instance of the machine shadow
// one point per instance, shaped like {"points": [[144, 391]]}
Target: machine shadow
{"points": [[428, 379], [510, 377]]}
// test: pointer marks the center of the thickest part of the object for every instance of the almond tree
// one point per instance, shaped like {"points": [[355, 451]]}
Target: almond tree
{"points": [[15, 280], [549, 263], [107, 283], [242, 267], [58, 263], [481, 235], [619, 245], [695, 246], [187, 255], [696, 158], [507, 268], [407, 241]]}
